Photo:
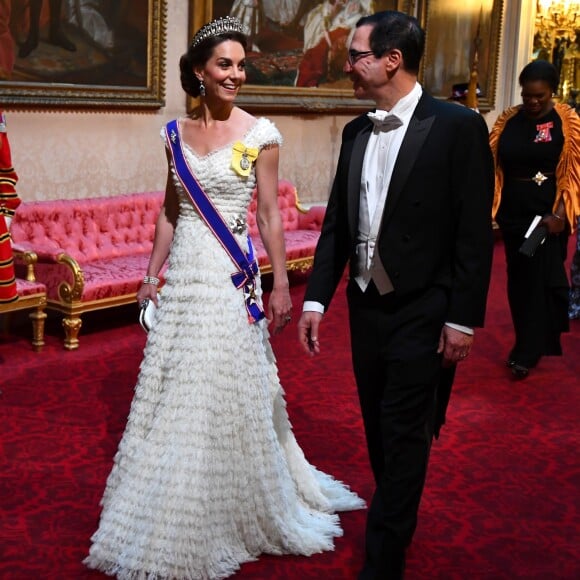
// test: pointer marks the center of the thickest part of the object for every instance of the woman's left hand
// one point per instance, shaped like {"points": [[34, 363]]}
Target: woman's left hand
{"points": [[554, 223], [279, 308]]}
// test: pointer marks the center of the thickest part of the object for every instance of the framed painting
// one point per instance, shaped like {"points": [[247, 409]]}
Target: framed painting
{"points": [[290, 63], [461, 37], [82, 53]]}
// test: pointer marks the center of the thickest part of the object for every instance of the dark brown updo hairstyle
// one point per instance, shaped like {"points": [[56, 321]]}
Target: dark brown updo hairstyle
{"points": [[198, 55]]}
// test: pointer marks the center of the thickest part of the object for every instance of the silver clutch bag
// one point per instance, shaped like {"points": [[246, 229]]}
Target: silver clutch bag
{"points": [[147, 314]]}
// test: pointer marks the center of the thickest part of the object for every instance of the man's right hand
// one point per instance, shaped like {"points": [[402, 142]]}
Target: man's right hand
{"points": [[308, 327]]}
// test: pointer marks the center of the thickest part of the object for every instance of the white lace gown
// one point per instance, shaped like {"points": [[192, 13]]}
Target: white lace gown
{"points": [[208, 473]]}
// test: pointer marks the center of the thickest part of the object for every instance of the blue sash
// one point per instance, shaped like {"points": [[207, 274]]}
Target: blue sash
{"points": [[245, 277]]}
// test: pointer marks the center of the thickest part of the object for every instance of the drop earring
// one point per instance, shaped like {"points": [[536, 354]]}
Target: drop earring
{"points": [[201, 89]]}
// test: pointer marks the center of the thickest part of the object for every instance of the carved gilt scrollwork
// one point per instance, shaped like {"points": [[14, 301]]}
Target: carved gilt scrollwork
{"points": [[66, 292], [72, 326], [301, 265]]}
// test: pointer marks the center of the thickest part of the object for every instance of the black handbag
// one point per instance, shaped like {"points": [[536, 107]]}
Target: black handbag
{"points": [[534, 241]]}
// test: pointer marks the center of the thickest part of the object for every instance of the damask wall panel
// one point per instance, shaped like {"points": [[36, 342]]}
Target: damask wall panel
{"points": [[309, 153], [86, 156]]}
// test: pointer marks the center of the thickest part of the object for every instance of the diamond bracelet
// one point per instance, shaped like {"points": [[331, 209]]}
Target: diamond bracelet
{"points": [[151, 280]]}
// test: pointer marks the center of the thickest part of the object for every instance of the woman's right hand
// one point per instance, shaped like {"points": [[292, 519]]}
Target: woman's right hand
{"points": [[554, 224], [147, 292]]}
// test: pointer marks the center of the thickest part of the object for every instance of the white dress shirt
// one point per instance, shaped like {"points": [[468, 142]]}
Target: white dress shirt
{"points": [[379, 161], [383, 148]]}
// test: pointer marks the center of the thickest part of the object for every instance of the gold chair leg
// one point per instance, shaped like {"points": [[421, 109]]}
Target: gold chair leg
{"points": [[72, 327], [38, 317]]}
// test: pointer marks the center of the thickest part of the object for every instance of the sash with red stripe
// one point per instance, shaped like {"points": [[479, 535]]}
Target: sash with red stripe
{"points": [[247, 266]]}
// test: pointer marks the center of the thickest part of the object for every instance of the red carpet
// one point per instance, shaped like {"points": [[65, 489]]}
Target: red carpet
{"points": [[501, 500]]}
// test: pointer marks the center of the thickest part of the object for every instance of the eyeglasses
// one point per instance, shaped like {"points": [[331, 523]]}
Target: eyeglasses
{"points": [[355, 55]]}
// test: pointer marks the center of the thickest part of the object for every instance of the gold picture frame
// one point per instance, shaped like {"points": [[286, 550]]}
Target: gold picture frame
{"points": [[460, 37], [113, 58], [272, 69]]}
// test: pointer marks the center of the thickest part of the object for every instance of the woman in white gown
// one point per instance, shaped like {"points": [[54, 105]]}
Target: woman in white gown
{"points": [[208, 473]]}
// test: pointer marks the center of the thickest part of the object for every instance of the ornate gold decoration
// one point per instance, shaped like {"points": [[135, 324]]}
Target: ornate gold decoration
{"points": [[67, 292], [557, 39], [72, 326], [296, 265], [563, 14], [298, 204], [28, 258], [36, 301], [38, 317]]}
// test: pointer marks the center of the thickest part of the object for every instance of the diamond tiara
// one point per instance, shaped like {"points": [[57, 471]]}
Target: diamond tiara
{"points": [[218, 26]]}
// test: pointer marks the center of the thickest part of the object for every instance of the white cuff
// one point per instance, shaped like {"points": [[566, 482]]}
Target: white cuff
{"points": [[464, 329], [312, 306]]}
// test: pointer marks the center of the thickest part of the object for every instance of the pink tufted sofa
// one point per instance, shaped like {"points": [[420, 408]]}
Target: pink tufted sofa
{"points": [[92, 253], [301, 229]]}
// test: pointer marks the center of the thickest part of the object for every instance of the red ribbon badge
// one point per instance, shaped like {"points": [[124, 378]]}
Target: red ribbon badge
{"points": [[544, 135]]}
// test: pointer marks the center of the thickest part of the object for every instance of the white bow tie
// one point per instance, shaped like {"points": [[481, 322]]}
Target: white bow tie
{"points": [[385, 121]]}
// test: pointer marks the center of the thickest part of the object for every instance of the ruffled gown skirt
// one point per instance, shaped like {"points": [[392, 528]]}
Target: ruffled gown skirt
{"points": [[208, 473]]}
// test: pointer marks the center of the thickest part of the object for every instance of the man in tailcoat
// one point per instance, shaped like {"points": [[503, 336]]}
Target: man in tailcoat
{"points": [[409, 211]]}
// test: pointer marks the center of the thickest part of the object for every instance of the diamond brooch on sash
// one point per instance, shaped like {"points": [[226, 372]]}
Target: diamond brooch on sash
{"points": [[237, 225]]}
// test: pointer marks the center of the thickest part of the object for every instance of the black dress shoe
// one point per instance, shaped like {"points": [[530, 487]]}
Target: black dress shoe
{"points": [[519, 371], [510, 362]]}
